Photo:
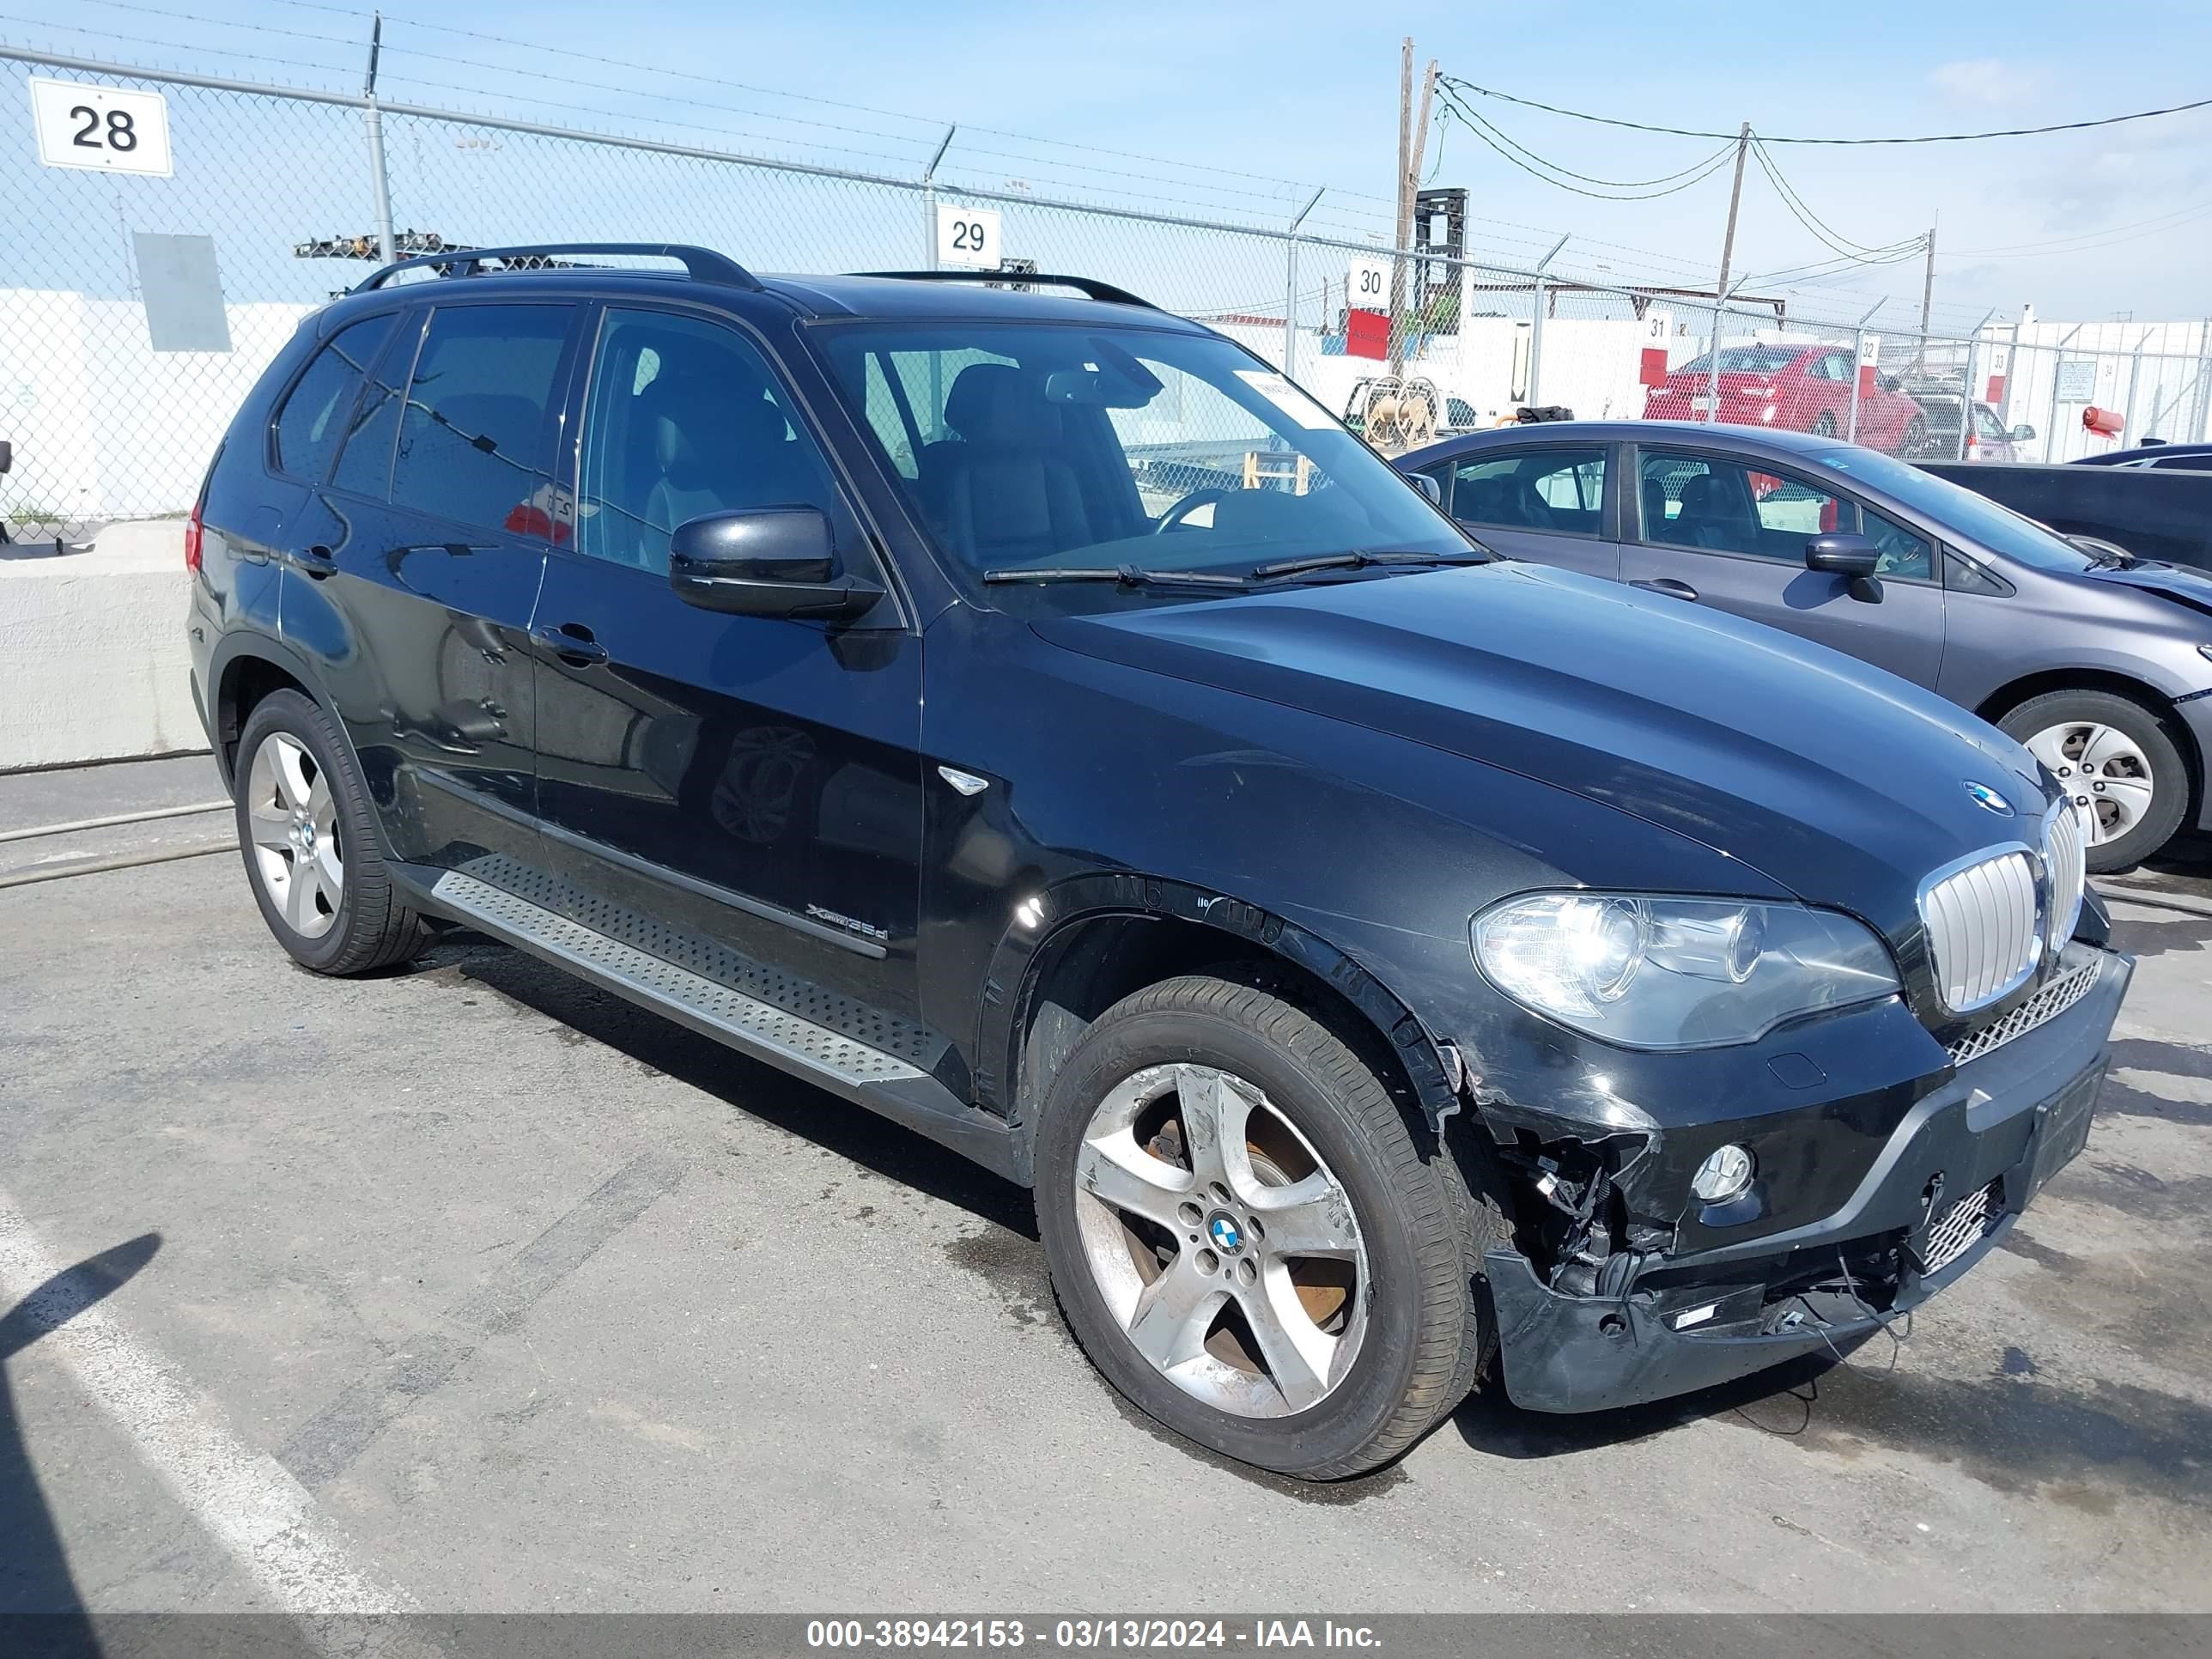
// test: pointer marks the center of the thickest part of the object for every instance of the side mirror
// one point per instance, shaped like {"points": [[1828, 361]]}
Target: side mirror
{"points": [[1426, 483], [764, 562], [1840, 553], [7, 454], [2022, 433]]}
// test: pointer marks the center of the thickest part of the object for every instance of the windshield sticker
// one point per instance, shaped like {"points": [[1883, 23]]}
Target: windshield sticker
{"points": [[1287, 398]]}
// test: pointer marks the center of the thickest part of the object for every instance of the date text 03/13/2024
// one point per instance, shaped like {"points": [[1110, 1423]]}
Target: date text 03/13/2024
{"points": [[1142, 1634]]}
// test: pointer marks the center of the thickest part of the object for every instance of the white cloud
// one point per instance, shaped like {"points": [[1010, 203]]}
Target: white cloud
{"points": [[1986, 81]]}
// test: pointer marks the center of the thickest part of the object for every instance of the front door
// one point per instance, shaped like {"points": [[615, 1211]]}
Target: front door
{"points": [[751, 781], [1718, 531], [415, 570]]}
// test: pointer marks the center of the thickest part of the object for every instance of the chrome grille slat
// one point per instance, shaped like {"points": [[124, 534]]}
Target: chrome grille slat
{"points": [[2052, 1000], [1984, 932]]}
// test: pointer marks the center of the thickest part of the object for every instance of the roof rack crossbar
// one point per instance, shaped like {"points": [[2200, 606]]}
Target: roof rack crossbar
{"points": [[1089, 286], [700, 263]]}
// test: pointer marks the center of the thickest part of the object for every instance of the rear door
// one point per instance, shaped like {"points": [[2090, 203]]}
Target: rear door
{"points": [[751, 781], [415, 571], [1546, 503], [1710, 530]]}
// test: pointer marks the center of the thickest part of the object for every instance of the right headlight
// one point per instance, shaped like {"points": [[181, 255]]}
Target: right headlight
{"points": [[1677, 973]]}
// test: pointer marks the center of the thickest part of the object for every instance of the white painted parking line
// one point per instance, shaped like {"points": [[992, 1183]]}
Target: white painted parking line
{"points": [[263, 1518]]}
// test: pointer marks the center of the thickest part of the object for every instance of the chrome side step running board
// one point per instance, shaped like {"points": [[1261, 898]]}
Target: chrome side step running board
{"points": [[881, 1082]]}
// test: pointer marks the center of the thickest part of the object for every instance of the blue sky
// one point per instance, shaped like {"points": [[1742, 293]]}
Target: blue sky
{"points": [[1235, 102]]}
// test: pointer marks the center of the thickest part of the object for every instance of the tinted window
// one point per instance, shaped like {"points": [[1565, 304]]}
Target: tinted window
{"points": [[365, 459], [311, 421], [2183, 463], [1555, 488], [1724, 506], [685, 419], [473, 445]]}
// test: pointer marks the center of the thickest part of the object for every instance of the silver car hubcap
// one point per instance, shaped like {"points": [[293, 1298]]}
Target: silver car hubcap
{"points": [[292, 822], [2104, 772], [1223, 1246]]}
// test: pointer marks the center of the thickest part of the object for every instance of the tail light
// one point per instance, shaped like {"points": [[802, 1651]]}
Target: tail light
{"points": [[192, 538], [1970, 444]]}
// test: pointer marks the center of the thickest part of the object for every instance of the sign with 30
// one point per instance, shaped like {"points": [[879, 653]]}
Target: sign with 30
{"points": [[101, 128]]}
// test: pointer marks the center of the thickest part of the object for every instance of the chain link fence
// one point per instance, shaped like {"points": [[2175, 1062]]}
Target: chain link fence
{"points": [[109, 420]]}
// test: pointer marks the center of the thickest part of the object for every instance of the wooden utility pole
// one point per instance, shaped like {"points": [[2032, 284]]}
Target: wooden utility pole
{"points": [[1727, 241], [1927, 286], [1413, 145]]}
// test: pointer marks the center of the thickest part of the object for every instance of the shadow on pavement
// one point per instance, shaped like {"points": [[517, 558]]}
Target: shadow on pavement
{"points": [[34, 1574], [759, 1091]]}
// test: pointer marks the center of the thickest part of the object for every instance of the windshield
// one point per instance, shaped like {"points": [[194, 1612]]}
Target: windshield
{"points": [[1744, 360], [1037, 447], [2000, 529]]}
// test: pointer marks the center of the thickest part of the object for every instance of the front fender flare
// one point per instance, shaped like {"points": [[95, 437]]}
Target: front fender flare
{"points": [[1432, 1065]]}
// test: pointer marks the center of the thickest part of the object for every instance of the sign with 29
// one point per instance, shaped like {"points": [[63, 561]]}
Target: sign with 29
{"points": [[101, 128]]}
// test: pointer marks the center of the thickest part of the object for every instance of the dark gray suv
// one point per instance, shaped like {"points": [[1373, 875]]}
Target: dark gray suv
{"points": [[2101, 664]]}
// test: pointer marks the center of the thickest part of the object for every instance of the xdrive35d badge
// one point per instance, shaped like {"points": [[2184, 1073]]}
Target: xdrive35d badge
{"points": [[1387, 967]]}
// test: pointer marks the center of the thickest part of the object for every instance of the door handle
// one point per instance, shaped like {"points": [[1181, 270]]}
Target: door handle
{"points": [[317, 560], [1669, 586], [570, 641]]}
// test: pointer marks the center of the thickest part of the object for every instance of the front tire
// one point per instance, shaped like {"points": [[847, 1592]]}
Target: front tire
{"points": [[1245, 1238], [2119, 764], [308, 837]]}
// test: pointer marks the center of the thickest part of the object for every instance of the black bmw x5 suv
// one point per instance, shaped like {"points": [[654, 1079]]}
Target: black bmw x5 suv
{"points": [[1032, 718]]}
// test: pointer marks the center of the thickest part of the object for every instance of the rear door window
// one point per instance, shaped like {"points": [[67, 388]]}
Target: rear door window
{"points": [[1558, 488], [475, 444], [311, 420]]}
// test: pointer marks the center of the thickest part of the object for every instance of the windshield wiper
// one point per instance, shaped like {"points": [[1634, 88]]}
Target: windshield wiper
{"points": [[1128, 575], [1359, 559]]}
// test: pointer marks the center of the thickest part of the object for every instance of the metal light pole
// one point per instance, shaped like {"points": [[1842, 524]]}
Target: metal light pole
{"points": [[929, 197], [1536, 325], [1713, 357], [1858, 355], [1291, 287], [2057, 362], [372, 119], [1966, 399]]}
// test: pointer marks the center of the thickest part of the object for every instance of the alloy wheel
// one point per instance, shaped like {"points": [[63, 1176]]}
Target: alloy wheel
{"points": [[1225, 1248], [292, 819], [2104, 772]]}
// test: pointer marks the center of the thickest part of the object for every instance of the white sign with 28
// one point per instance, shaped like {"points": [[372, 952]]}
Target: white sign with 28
{"points": [[101, 128]]}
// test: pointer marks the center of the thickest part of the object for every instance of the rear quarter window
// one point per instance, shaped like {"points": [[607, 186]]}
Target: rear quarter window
{"points": [[311, 422]]}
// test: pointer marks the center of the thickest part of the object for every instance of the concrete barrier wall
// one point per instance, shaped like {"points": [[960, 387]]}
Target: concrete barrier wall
{"points": [[93, 660]]}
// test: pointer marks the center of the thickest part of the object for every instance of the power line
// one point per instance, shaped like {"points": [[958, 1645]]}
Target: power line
{"points": [[1920, 138], [1609, 183], [1482, 130], [1827, 233]]}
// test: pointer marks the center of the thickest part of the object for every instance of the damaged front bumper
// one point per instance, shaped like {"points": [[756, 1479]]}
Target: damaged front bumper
{"points": [[1944, 1189]]}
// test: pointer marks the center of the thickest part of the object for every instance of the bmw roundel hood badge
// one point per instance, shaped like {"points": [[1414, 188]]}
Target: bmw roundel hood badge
{"points": [[1986, 797]]}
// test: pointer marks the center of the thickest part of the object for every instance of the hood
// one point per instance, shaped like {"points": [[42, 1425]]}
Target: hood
{"points": [[1840, 782], [2186, 587]]}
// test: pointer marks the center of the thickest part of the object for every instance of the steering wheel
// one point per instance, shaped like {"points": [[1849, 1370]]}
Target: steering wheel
{"points": [[1173, 518]]}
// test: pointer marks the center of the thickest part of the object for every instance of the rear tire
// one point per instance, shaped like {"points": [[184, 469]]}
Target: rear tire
{"points": [[1380, 1321], [2117, 761], [309, 838]]}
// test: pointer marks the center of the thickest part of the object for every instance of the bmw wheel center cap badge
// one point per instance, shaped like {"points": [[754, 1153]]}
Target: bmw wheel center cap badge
{"points": [[1228, 1237]]}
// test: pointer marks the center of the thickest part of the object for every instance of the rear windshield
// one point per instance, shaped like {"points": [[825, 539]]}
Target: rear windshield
{"points": [[1745, 360], [2000, 529], [1041, 446]]}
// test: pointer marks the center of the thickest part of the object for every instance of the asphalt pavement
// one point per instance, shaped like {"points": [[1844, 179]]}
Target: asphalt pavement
{"points": [[471, 1288]]}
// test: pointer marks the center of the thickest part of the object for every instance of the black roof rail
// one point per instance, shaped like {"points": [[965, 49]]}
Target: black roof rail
{"points": [[1089, 286], [701, 265]]}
